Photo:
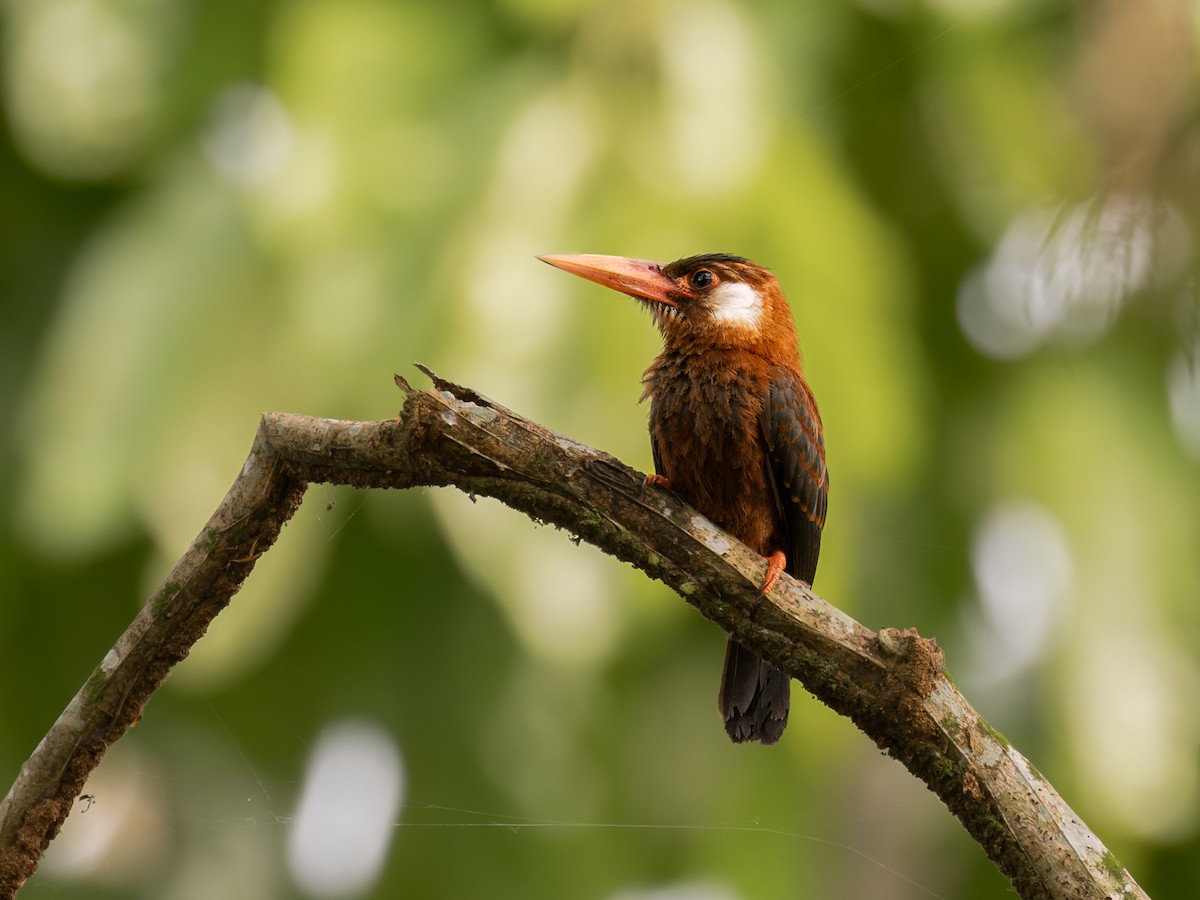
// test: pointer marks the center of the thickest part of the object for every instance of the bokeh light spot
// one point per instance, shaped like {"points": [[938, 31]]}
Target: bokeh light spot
{"points": [[84, 81], [250, 138], [719, 132], [1064, 275], [347, 811], [680, 891], [1183, 392], [1023, 575]]}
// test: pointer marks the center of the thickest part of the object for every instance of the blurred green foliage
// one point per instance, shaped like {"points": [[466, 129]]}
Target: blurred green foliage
{"points": [[984, 213]]}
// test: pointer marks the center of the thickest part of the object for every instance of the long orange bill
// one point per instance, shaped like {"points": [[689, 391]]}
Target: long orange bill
{"points": [[636, 277]]}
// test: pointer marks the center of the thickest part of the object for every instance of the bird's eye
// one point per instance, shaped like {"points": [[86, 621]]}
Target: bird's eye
{"points": [[703, 279]]}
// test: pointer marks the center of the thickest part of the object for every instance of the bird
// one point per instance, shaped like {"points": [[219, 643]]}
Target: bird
{"points": [[734, 431]]}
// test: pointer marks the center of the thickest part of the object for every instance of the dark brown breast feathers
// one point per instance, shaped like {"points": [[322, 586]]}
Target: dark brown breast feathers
{"points": [[706, 436], [741, 441]]}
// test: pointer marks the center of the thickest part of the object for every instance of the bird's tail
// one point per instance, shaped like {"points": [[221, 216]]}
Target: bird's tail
{"points": [[754, 697]]}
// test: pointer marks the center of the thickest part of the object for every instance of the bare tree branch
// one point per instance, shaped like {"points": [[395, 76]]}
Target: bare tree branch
{"points": [[893, 684]]}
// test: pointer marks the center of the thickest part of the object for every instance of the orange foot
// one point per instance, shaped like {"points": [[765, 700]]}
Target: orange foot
{"points": [[656, 480], [776, 563]]}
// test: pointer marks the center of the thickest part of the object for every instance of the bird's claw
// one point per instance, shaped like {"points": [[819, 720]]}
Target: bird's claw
{"points": [[656, 480], [776, 563]]}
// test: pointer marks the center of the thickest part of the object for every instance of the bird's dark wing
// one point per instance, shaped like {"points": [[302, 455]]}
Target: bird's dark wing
{"points": [[657, 454], [791, 430]]}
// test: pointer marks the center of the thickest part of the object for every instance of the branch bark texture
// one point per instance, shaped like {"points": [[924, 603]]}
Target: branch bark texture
{"points": [[892, 684]]}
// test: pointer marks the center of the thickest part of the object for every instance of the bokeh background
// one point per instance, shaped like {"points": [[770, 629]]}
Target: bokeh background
{"points": [[985, 214]]}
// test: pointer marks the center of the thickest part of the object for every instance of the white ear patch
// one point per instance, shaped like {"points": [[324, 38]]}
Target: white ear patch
{"points": [[737, 304]]}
